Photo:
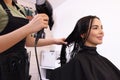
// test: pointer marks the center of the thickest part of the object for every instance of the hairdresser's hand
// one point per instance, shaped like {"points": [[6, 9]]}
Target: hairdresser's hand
{"points": [[39, 22], [60, 41]]}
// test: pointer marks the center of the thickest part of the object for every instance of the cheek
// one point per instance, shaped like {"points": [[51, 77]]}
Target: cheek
{"points": [[92, 37]]}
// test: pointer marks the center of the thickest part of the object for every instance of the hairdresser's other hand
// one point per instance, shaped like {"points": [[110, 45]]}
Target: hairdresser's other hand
{"points": [[38, 22], [60, 41]]}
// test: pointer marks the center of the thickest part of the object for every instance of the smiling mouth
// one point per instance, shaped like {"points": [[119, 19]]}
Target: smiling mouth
{"points": [[100, 38]]}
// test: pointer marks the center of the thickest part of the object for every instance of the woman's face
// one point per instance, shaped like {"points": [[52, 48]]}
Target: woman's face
{"points": [[96, 34]]}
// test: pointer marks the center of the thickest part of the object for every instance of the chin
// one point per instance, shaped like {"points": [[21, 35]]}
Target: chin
{"points": [[99, 43]]}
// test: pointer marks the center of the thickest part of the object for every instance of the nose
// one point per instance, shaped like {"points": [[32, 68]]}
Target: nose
{"points": [[101, 31]]}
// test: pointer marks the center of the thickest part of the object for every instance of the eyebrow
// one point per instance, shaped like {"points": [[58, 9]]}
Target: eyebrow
{"points": [[96, 26]]}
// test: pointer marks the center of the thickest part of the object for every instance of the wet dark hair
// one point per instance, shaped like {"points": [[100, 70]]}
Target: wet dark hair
{"points": [[82, 26]]}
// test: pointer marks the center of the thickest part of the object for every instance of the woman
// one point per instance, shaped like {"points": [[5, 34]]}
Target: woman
{"points": [[15, 34], [85, 62]]}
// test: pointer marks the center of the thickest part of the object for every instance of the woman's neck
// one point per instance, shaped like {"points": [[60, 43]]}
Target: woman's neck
{"points": [[8, 2]]}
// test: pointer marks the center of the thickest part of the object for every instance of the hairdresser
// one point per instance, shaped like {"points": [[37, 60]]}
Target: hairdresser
{"points": [[15, 34]]}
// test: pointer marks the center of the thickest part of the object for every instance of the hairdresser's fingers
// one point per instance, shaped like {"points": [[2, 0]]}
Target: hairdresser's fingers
{"points": [[60, 41], [38, 22]]}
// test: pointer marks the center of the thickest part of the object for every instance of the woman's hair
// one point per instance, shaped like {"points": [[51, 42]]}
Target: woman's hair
{"points": [[82, 26]]}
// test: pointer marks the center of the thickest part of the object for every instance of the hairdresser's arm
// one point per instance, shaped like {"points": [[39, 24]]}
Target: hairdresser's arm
{"points": [[44, 42], [37, 23], [10, 39]]}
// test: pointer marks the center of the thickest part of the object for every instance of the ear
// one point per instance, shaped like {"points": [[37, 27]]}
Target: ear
{"points": [[82, 35]]}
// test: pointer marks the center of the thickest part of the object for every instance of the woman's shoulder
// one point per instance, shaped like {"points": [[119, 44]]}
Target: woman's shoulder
{"points": [[3, 18], [2, 11], [1, 8]]}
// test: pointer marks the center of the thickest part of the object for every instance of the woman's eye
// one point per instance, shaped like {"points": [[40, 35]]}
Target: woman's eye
{"points": [[94, 27]]}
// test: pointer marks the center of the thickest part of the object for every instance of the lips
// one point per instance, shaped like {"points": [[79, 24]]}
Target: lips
{"points": [[100, 37]]}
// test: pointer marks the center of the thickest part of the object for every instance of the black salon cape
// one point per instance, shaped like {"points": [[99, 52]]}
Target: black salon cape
{"points": [[87, 65]]}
